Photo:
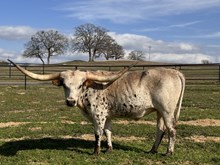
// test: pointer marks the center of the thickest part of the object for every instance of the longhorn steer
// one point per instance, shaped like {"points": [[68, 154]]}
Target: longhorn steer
{"points": [[102, 96]]}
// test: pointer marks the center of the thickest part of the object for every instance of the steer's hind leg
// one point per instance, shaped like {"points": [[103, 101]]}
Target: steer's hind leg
{"points": [[98, 138], [170, 123], [108, 134], [159, 135]]}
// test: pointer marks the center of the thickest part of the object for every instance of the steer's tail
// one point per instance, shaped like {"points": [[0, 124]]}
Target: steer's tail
{"points": [[182, 78]]}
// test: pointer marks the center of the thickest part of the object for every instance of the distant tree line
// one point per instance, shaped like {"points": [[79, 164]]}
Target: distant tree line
{"points": [[87, 38]]}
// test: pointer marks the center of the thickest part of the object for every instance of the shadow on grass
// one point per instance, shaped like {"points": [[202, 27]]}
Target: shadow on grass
{"points": [[74, 144]]}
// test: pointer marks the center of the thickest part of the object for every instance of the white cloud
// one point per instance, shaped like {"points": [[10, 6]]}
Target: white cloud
{"points": [[164, 28], [181, 58], [187, 47], [133, 41], [4, 54], [139, 42], [212, 35], [129, 10], [161, 51], [16, 32]]}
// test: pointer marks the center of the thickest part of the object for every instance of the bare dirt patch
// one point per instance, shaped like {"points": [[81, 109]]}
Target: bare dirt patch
{"points": [[203, 139], [12, 124], [35, 128], [199, 122], [84, 123], [90, 137], [21, 111], [21, 93], [125, 122], [67, 122]]}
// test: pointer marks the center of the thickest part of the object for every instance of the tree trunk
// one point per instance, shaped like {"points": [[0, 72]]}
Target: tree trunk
{"points": [[90, 56], [93, 55], [48, 60], [48, 57], [42, 63], [41, 60]]}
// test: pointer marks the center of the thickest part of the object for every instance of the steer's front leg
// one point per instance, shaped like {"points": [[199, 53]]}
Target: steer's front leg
{"points": [[97, 144], [99, 124]]}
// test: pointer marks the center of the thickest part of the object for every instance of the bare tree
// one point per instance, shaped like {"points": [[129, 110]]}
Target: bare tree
{"points": [[206, 62], [136, 55], [111, 49], [91, 39], [46, 44], [117, 51]]}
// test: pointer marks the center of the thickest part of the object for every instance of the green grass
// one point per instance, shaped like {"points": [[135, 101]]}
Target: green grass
{"points": [[50, 131]]}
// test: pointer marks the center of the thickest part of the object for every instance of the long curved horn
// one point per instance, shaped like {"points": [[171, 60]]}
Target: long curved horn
{"points": [[36, 76], [104, 76]]}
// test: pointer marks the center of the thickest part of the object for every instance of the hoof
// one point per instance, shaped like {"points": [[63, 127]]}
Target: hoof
{"points": [[108, 150], [152, 152], [168, 154], [96, 151]]}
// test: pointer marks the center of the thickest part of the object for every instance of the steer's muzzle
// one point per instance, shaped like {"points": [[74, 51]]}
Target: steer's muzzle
{"points": [[70, 103]]}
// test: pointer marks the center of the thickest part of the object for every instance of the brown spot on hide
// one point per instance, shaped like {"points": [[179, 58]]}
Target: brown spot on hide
{"points": [[57, 82], [88, 83]]}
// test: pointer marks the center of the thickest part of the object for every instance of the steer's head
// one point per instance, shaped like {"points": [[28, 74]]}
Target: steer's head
{"points": [[73, 81]]}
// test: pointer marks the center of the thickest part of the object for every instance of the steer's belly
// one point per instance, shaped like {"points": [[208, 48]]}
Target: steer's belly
{"points": [[131, 111]]}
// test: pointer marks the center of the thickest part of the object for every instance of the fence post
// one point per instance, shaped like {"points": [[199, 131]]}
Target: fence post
{"points": [[25, 79], [43, 68], [10, 70], [219, 73]]}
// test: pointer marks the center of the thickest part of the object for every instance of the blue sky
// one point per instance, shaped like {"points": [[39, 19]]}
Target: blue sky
{"points": [[178, 31]]}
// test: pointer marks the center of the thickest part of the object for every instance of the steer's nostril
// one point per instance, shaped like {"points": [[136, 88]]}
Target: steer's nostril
{"points": [[70, 103]]}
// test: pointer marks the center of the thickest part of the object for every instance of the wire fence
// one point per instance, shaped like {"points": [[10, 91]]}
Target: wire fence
{"points": [[194, 73]]}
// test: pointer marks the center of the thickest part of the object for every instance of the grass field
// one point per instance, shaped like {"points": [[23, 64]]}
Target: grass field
{"points": [[36, 127]]}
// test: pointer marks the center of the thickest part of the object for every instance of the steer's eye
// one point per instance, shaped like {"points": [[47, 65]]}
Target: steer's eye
{"points": [[64, 85], [80, 86]]}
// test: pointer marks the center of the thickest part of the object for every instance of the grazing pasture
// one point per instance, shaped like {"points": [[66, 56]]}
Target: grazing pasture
{"points": [[36, 127]]}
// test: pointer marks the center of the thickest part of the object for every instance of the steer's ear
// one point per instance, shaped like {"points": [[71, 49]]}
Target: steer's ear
{"points": [[57, 82], [88, 83]]}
